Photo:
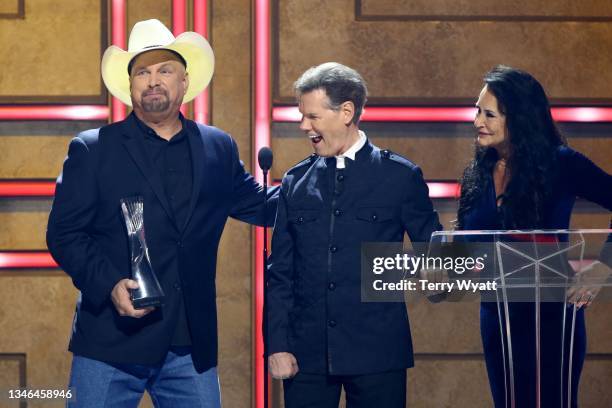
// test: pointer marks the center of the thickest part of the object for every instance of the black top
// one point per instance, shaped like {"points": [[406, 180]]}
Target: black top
{"points": [[577, 176], [172, 159]]}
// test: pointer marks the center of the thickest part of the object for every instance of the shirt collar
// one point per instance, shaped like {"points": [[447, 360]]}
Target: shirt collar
{"points": [[148, 132], [352, 151]]}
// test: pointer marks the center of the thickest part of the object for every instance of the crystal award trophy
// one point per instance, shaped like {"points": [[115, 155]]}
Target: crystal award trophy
{"points": [[149, 292]]}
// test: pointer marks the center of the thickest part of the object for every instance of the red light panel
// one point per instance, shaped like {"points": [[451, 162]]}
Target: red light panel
{"points": [[54, 112], [26, 260], [447, 114], [444, 189], [30, 188]]}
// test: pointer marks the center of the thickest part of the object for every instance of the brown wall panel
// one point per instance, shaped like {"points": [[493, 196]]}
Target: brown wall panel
{"points": [[231, 111], [53, 54], [234, 312], [446, 383], [406, 62], [599, 330], [9, 372], [440, 158], [595, 387], [594, 217], [37, 155], [11, 9], [23, 230], [435, 62], [36, 309], [453, 327], [230, 86], [32, 156], [450, 158], [138, 10], [287, 153], [482, 8], [599, 150], [446, 327]]}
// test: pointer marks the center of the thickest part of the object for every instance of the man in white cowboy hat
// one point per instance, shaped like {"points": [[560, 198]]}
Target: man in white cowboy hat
{"points": [[190, 179]]}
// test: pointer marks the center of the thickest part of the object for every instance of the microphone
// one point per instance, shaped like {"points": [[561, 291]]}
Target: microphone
{"points": [[264, 158]]}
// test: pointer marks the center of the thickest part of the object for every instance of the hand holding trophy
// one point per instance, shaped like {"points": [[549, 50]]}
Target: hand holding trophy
{"points": [[149, 292]]}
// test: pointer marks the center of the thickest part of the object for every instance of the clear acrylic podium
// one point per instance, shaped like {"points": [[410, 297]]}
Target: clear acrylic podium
{"points": [[535, 271]]}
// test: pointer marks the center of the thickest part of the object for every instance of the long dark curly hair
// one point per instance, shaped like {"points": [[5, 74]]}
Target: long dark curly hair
{"points": [[533, 140]]}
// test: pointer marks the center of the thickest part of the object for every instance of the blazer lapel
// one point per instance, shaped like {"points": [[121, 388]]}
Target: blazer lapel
{"points": [[136, 149], [196, 144]]}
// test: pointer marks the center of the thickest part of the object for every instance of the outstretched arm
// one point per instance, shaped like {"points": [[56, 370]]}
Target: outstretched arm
{"points": [[248, 197]]}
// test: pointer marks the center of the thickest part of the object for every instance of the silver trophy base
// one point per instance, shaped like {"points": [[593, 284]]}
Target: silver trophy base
{"points": [[142, 303]]}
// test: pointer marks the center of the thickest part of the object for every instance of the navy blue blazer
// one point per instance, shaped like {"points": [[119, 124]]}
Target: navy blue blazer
{"points": [[314, 286], [87, 237]]}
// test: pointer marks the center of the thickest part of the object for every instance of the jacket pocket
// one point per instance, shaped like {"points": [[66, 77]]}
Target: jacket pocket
{"points": [[303, 216], [375, 214]]}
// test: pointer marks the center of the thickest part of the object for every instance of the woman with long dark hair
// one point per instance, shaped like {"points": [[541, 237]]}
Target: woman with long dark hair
{"points": [[524, 176]]}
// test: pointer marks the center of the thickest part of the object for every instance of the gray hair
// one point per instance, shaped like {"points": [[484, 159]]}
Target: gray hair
{"points": [[340, 83]]}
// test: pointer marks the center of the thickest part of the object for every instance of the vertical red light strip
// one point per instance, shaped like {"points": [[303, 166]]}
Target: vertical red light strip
{"points": [[179, 17], [262, 138], [200, 25], [118, 38], [179, 25]]}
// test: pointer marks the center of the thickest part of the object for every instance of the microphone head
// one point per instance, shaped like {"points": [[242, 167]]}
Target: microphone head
{"points": [[264, 158]]}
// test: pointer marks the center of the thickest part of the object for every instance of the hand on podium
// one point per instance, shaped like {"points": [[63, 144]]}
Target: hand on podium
{"points": [[589, 282]]}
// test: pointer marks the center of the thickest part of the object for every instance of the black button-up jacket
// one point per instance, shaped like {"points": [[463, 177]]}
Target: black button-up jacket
{"points": [[314, 295]]}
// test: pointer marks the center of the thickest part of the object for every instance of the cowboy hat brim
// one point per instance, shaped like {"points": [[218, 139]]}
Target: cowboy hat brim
{"points": [[194, 49]]}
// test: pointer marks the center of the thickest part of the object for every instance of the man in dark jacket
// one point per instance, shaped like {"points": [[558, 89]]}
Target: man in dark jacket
{"points": [[190, 179], [322, 337]]}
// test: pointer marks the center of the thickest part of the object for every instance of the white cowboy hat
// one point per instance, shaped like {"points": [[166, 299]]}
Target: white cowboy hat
{"points": [[150, 35]]}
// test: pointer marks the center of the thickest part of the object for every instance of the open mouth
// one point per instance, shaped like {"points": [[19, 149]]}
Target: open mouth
{"points": [[315, 138]]}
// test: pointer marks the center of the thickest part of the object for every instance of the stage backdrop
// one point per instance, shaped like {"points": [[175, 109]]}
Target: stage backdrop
{"points": [[411, 53]]}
